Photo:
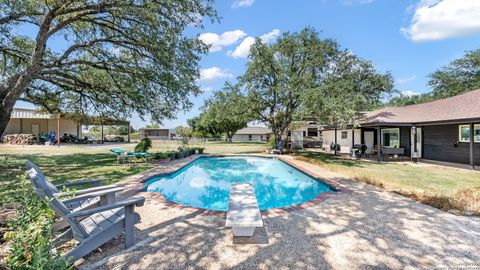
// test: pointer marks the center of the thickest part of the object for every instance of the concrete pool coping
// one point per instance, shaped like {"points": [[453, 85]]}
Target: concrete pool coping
{"points": [[137, 184]]}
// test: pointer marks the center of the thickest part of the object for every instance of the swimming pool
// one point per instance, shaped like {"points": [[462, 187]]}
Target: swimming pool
{"points": [[205, 183]]}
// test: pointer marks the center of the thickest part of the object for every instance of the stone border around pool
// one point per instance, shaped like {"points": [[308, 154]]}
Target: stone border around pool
{"points": [[135, 185]]}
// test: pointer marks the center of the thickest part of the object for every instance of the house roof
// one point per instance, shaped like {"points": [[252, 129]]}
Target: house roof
{"points": [[31, 113], [253, 131], [457, 108]]}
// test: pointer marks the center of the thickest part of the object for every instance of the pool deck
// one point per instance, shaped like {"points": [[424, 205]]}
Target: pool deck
{"points": [[361, 227]]}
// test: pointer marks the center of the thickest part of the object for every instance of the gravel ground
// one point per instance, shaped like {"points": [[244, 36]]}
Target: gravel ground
{"points": [[367, 228]]}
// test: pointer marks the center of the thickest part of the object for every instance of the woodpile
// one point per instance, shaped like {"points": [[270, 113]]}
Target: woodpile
{"points": [[22, 139]]}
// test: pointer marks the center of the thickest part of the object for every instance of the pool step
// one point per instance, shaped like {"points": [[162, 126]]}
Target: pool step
{"points": [[243, 213]]}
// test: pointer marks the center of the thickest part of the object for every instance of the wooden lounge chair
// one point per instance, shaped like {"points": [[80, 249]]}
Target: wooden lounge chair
{"points": [[95, 226], [85, 198]]}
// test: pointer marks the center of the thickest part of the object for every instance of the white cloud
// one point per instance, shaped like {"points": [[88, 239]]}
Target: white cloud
{"points": [[218, 41], [242, 3], [243, 50], [213, 73], [207, 89], [442, 19], [406, 80], [409, 93], [266, 38]]}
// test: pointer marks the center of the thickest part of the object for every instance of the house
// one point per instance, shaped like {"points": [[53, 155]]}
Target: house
{"points": [[252, 134], [446, 130], [157, 133], [29, 121]]}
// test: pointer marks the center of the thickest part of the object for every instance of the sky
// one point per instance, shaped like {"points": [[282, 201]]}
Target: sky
{"points": [[409, 38]]}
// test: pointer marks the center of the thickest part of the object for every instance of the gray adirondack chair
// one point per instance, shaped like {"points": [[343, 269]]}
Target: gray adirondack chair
{"points": [[95, 226], [84, 199]]}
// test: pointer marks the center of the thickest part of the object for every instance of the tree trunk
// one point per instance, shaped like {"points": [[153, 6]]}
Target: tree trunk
{"points": [[5, 112]]}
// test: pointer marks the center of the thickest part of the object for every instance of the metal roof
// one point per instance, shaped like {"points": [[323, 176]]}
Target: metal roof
{"points": [[22, 112]]}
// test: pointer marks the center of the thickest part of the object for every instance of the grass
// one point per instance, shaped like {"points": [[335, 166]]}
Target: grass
{"points": [[441, 187], [69, 162]]}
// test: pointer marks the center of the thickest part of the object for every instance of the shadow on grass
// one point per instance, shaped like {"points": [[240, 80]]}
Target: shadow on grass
{"points": [[328, 159]]}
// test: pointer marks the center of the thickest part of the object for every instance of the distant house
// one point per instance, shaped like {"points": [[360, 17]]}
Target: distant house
{"points": [[157, 133], [446, 130], [252, 134], [28, 121]]}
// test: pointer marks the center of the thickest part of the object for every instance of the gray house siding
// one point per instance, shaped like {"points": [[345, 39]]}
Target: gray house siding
{"points": [[439, 144]]}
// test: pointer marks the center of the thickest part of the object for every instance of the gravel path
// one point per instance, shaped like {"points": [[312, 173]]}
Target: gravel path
{"points": [[367, 228]]}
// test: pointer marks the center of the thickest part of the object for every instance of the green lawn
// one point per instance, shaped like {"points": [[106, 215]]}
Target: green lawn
{"points": [[69, 162], [450, 184]]}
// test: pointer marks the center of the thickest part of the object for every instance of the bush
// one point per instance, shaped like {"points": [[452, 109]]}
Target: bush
{"points": [[172, 154], [200, 150], [143, 145], [31, 237], [162, 155]]}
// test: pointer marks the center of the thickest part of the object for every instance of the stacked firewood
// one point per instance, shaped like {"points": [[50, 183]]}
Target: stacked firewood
{"points": [[22, 139]]}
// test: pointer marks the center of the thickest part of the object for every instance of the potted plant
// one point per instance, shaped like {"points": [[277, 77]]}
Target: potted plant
{"points": [[180, 153], [161, 157], [171, 154]]}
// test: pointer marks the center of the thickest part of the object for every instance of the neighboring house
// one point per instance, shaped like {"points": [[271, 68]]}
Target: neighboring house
{"points": [[252, 134], [446, 130], [157, 133], [28, 121]]}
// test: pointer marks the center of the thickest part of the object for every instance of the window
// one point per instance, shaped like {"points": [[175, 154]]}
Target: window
{"points": [[304, 133], [391, 137], [312, 132], [464, 133], [250, 137], [344, 134]]}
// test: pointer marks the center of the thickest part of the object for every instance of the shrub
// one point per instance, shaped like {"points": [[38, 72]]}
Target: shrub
{"points": [[143, 145], [172, 154], [200, 150], [31, 237], [162, 155]]}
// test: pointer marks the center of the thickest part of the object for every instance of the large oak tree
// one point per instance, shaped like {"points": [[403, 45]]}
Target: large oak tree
{"points": [[302, 76], [103, 57], [226, 112]]}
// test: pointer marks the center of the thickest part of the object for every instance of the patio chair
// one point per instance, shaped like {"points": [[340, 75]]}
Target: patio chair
{"points": [[279, 148], [84, 198], [126, 156], [95, 226]]}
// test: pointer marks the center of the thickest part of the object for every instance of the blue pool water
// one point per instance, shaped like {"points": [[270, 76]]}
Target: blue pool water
{"points": [[205, 183]]}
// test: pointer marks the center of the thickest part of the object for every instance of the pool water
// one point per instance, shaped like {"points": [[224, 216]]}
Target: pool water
{"points": [[205, 183]]}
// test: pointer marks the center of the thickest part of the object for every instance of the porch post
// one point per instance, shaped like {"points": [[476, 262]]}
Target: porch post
{"points": [[102, 134], [335, 146], [472, 146], [128, 138], [58, 129], [379, 144], [21, 125], [353, 137], [415, 148]]}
